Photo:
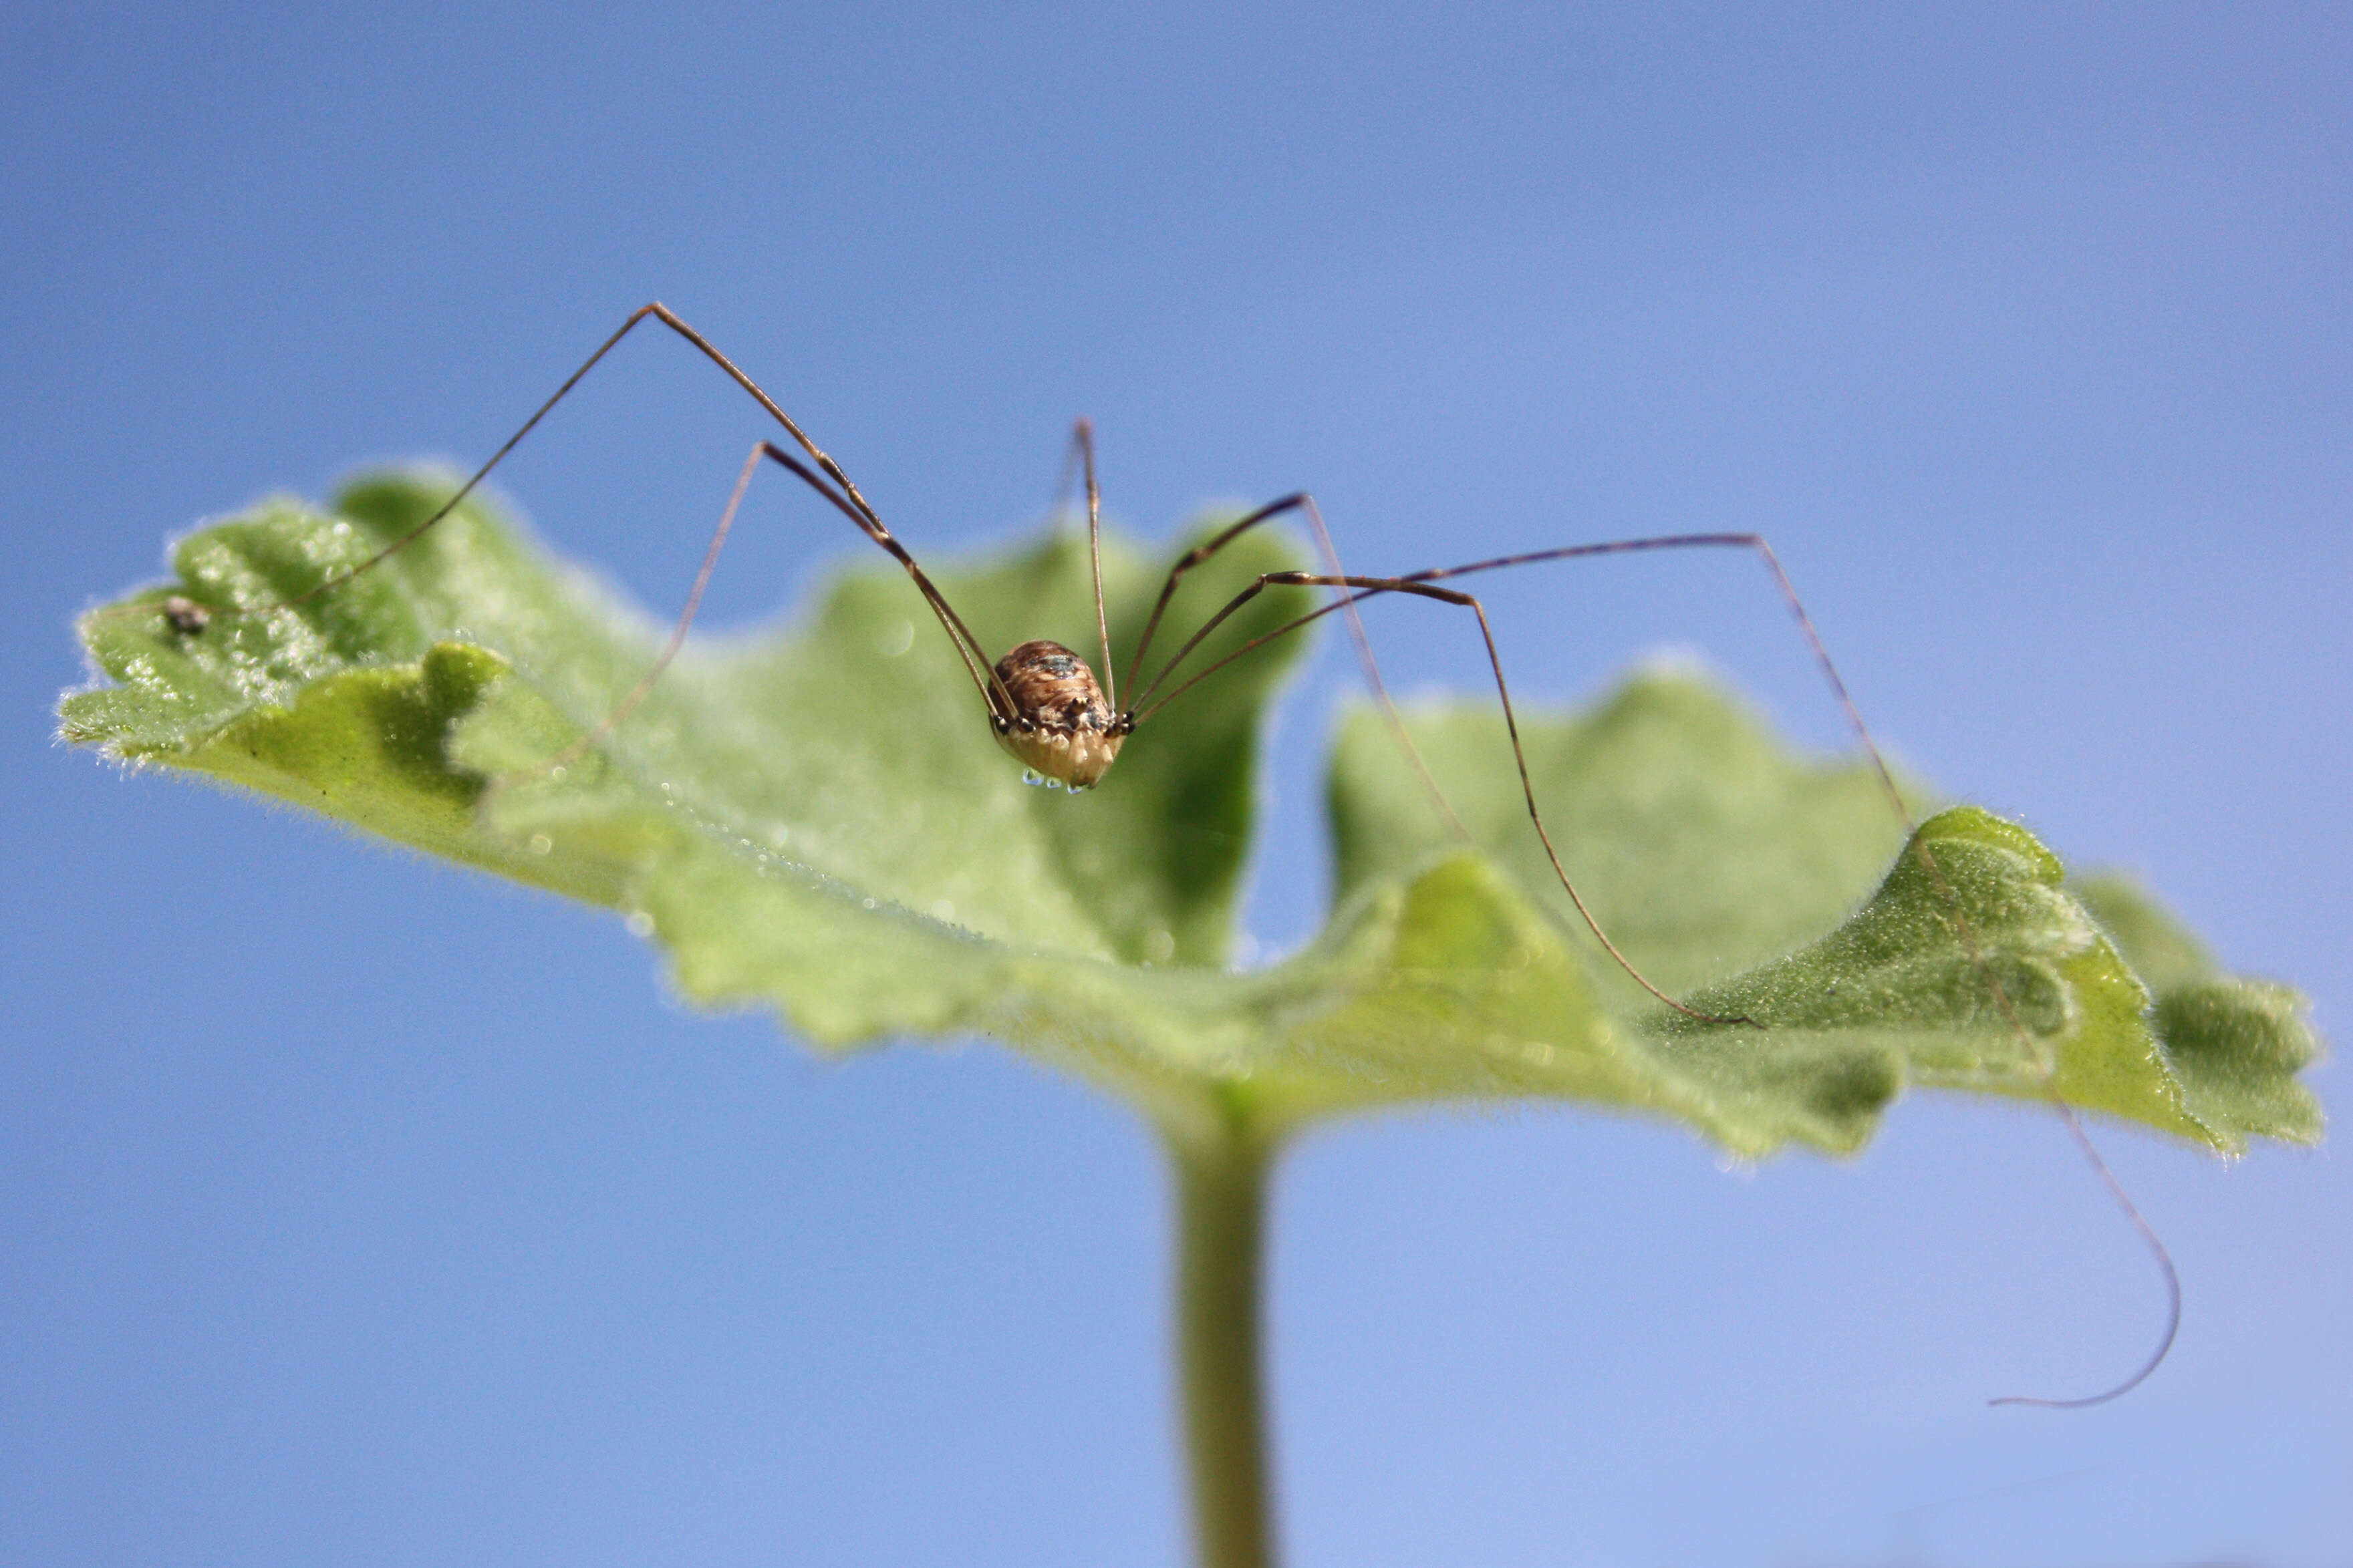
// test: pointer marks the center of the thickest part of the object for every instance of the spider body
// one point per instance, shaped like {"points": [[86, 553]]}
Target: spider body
{"points": [[1061, 727]]}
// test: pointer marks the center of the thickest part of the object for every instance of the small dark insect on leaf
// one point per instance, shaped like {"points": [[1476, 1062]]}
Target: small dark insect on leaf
{"points": [[185, 615]]}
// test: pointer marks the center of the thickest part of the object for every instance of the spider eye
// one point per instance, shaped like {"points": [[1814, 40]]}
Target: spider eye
{"points": [[999, 722]]}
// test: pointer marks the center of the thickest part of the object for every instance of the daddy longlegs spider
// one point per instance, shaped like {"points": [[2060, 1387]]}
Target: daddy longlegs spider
{"points": [[1045, 706]]}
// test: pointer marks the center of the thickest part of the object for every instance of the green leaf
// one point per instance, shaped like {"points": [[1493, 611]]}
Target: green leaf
{"points": [[2237, 1045], [821, 822]]}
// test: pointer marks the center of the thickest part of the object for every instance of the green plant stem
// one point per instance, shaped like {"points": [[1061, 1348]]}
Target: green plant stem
{"points": [[1221, 1209]]}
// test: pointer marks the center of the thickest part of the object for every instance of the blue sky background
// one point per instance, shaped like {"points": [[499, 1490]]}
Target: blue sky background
{"points": [[355, 1210]]}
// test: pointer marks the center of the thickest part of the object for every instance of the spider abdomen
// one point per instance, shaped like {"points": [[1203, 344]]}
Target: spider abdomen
{"points": [[1061, 726]]}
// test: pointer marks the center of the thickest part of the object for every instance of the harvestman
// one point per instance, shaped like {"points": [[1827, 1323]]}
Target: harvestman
{"points": [[1045, 706]]}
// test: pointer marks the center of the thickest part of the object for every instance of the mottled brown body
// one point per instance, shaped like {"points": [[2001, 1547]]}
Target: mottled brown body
{"points": [[1062, 725]]}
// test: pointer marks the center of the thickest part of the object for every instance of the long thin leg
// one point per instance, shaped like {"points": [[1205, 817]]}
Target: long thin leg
{"points": [[1373, 680], [983, 678], [993, 690], [1082, 437], [677, 641], [2045, 1065], [1305, 505], [1365, 588], [835, 486], [1764, 551], [1079, 459], [655, 312], [1755, 543], [1194, 557], [1962, 928], [1418, 583]]}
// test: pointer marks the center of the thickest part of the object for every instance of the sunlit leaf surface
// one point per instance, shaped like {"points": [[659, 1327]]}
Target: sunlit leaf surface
{"points": [[821, 822]]}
